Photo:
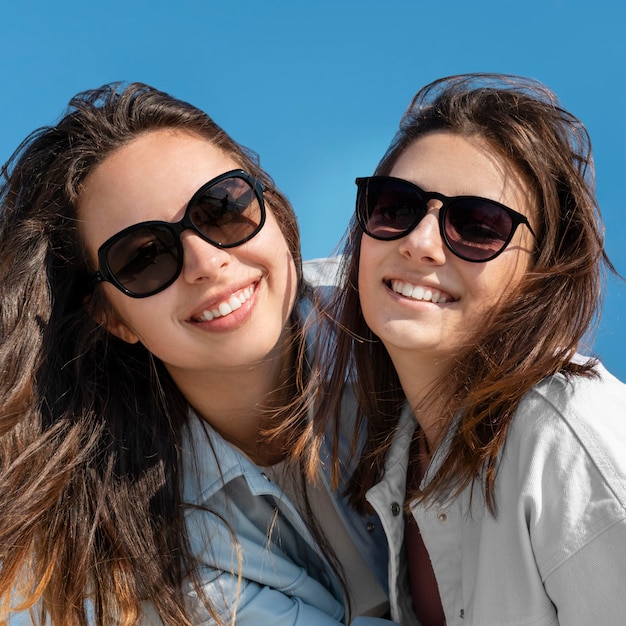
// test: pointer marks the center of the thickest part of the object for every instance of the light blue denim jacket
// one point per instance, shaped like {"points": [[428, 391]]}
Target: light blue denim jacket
{"points": [[255, 529], [240, 521]]}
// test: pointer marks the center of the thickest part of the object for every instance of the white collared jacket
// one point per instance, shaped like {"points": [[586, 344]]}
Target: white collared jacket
{"points": [[555, 554]]}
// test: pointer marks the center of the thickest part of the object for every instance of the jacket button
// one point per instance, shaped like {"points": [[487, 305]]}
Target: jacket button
{"points": [[370, 527], [442, 517], [395, 509]]}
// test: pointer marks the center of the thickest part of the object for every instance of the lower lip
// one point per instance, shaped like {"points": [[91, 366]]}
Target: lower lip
{"points": [[233, 320]]}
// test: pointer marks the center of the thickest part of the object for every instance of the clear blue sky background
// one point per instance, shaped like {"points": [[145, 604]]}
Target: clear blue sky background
{"points": [[317, 88]]}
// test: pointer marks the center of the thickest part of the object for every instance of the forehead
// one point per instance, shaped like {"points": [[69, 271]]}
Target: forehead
{"points": [[150, 178], [456, 165]]}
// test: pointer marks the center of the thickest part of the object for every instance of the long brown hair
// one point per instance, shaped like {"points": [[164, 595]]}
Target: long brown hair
{"points": [[90, 426], [534, 334]]}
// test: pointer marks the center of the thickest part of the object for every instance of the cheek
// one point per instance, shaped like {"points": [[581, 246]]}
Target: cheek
{"points": [[140, 319], [270, 250], [367, 276], [363, 271], [519, 266], [367, 256], [494, 285], [292, 280]]}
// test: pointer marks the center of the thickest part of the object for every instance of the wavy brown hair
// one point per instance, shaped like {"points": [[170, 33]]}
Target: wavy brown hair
{"points": [[534, 334], [90, 426]]}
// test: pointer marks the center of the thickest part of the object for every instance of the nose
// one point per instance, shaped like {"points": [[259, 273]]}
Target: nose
{"points": [[201, 260], [424, 242]]}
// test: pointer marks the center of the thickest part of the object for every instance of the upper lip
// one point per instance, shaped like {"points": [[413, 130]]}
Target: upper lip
{"points": [[222, 296], [426, 285]]}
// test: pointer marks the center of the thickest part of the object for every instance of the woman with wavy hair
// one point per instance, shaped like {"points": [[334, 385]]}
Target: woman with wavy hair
{"points": [[152, 334], [495, 451]]}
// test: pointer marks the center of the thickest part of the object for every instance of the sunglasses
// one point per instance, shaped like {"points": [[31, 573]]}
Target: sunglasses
{"points": [[146, 258], [474, 229]]}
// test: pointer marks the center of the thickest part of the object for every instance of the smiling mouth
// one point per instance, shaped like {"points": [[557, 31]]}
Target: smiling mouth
{"points": [[227, 306], [417, 292]]}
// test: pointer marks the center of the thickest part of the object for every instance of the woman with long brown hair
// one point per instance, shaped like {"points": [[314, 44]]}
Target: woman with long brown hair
{"points": [[152, 333], [495, 451]]}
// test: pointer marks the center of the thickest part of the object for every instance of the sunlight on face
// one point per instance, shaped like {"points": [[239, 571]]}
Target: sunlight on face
{"points": [[417, 296], [228, 308]]}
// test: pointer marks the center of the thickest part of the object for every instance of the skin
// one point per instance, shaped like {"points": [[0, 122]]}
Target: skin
{"points": [[421, 335], [227, 366]]}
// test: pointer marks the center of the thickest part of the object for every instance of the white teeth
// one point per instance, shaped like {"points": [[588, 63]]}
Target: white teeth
{"points": [[418, 293], [226, 308], [234, 303]]}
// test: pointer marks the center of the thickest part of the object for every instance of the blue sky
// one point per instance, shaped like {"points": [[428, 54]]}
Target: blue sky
{"points": [[317, 88]]}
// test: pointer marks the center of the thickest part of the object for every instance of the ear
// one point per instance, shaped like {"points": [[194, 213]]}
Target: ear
{"points": [[113, 324], [104, 315], [119, 328]]}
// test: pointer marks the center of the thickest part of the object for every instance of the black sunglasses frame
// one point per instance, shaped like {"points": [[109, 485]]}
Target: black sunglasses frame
{"points": [[446, 201], [104, 273]]}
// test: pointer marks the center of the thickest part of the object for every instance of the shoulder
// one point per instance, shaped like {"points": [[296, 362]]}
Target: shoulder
{"points": [[323, 272], [584, 395], [583, 415], [563, 467], [321, 279], [562, 473]]}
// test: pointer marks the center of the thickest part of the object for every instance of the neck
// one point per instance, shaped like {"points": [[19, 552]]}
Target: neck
{"points": [[241, 404], [419, 382]]}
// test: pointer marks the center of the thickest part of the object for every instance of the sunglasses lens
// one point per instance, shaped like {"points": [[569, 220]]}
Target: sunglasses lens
{"points": [[145, 259], [389, 209], [476, 229], [228, 212]]}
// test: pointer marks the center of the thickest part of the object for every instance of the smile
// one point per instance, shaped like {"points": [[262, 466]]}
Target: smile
{"points": [[426, 294], [227, 306]]}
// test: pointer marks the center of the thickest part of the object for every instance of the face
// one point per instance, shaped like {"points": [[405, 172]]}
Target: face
{"points": [[227, 310], [420, 299]]}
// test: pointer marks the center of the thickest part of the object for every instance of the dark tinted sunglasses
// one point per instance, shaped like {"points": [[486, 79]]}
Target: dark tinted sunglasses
{"points": [[473, 228], [146, 258]]}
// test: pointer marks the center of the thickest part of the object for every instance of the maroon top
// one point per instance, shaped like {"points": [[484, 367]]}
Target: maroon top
{"points": [[422, 581]]}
